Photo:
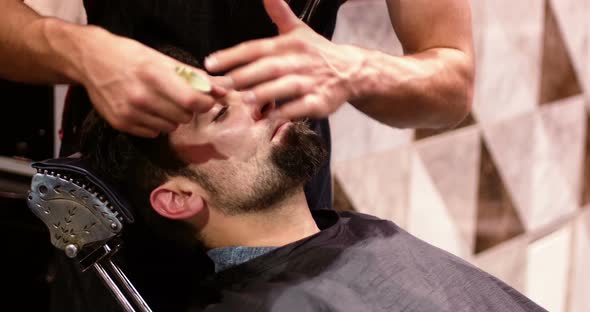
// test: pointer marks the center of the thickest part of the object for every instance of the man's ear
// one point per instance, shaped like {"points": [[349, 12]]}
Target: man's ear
{"points": [[177, 199]]}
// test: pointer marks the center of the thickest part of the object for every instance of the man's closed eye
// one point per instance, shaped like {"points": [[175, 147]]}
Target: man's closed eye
{"points": [[220, 116]]}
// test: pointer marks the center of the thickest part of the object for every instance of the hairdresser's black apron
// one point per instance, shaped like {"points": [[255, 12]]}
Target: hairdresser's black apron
{"points": [[163, 274]]}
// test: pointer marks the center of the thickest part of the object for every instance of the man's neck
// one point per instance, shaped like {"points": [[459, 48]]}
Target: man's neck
{"points": [[290, 221]]}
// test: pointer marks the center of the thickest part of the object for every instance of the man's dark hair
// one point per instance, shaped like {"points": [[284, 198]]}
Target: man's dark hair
{"points": [[136, 165]]}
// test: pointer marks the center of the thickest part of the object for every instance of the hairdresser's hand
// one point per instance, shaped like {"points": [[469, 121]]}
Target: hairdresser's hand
{"points": [[136, 89], [311, 74]]}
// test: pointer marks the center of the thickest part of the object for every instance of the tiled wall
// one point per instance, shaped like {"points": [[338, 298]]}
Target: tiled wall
{"points": [[509, 189]]}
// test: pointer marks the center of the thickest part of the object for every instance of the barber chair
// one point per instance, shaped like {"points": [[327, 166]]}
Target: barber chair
{"points": [[85, 217]]}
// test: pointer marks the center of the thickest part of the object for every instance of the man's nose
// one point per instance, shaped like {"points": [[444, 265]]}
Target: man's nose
{"points": [[262, 110]]}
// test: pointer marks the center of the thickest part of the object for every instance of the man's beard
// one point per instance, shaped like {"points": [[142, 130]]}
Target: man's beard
{"points": [[301, 153], [293, 162]]}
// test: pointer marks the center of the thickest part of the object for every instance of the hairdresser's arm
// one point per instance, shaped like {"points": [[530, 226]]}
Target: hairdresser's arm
{"points": [[430, 86], [132, 86], [27, 46]]}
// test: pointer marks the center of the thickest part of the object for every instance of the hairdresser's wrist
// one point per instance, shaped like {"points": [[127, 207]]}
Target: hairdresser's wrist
{"points": [[72, 47], [371, 79]]}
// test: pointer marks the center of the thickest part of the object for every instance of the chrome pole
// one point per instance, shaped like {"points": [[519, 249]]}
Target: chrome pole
{"points": [[130, 289], [125, 304]]}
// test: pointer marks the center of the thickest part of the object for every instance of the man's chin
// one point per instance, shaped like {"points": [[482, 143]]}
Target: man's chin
{"points": [[301, 152], [293, 161]]}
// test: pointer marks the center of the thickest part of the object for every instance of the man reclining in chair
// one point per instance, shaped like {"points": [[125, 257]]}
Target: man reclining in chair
{"points": [[232, 181]]}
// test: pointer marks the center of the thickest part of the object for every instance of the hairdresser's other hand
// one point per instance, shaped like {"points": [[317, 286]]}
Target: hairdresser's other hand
{"points": [[300, 68], [136, 89]]}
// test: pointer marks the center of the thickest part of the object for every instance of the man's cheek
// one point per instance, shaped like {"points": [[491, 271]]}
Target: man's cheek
{"points": [[237, 142], [199, 153]]}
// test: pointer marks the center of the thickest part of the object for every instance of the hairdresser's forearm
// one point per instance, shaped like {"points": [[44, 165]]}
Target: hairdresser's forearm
{"points": [[37, 49], [431, 89]]}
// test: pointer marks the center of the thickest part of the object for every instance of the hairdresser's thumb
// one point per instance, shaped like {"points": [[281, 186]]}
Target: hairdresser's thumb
{"points": [[280, 13]]}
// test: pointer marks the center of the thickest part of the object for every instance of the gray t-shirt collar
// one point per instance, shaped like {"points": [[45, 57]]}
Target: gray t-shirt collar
{"points": [[227, 257]]}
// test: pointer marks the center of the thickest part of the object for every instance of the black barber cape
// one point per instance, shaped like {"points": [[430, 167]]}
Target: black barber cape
{"points": [[358, 263]]}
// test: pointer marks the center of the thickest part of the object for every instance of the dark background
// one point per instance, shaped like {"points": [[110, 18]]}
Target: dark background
{"points": [[27, 128]]}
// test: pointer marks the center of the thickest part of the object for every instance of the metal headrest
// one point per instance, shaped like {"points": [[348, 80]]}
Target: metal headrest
{"points": [[80, 208]]}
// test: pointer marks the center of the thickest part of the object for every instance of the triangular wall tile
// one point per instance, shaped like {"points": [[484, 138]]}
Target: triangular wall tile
{"points": [[548, 264], [511, 144], [377, 184], [522, 151], [497, 218], [428, 218], [366, 24], [585, 196], [506, 261], [508, 60], [572, 17], [354, 135], [451, 160], [565, 125], [552, 196], [558, 76]]}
